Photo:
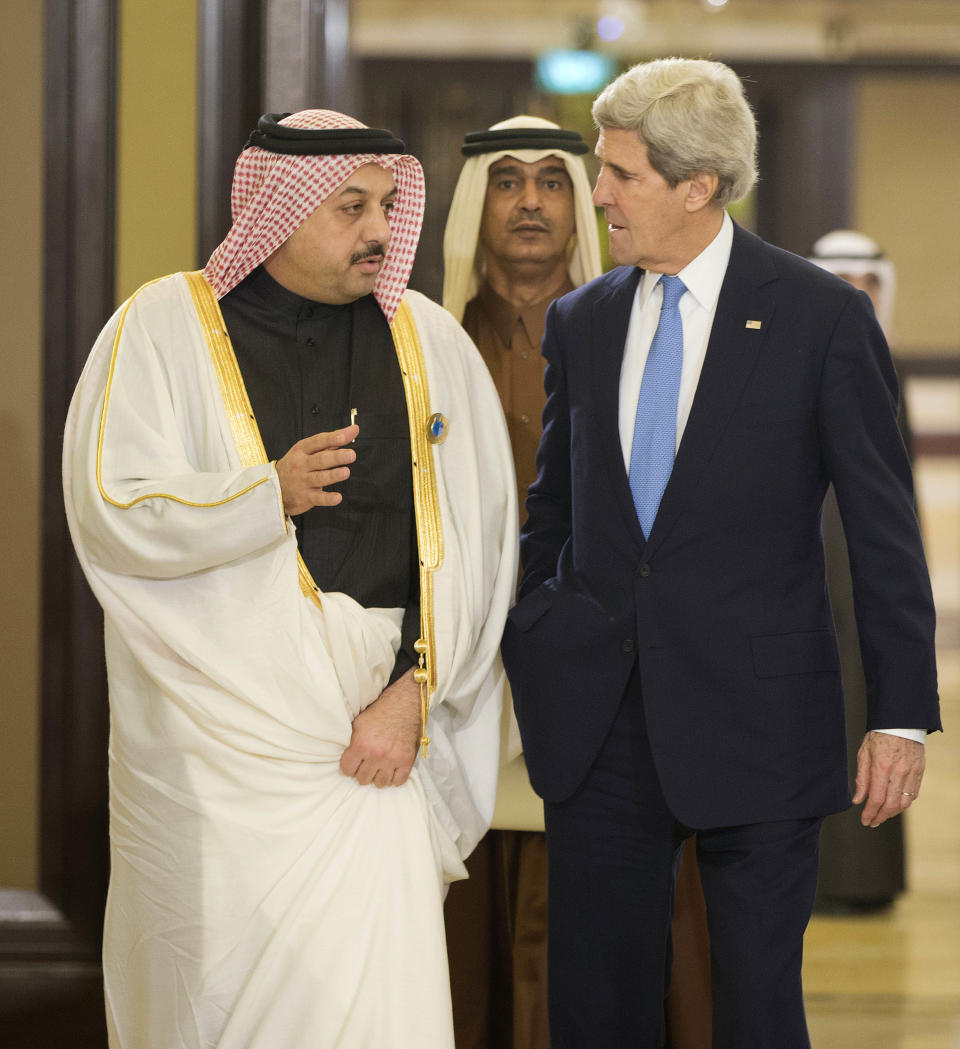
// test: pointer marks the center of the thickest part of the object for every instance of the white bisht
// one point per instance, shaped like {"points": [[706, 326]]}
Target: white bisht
{"points": [[259, 898]]}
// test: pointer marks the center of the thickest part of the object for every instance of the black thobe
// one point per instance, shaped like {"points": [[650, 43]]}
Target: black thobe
{"points": [[311, 368]]}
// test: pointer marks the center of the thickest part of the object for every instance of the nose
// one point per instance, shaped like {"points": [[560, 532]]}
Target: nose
{"points": [[601, 191], [377, 228], [530, 195]]}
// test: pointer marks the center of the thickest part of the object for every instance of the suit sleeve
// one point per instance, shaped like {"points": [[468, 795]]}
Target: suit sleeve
{"points": [[549, 525], [866, 460]]}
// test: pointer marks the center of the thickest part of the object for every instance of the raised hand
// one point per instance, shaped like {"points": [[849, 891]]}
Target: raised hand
{"points": [[312, 464]]}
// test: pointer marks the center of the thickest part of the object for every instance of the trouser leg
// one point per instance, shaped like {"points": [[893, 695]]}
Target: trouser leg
{"points": [[612, 849], [478, 951], [496, 924], [759, 882], [531, 1028], [689, 1005]]}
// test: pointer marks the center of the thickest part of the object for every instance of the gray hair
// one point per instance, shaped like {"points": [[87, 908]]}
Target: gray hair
{"points": [[692, 116]]}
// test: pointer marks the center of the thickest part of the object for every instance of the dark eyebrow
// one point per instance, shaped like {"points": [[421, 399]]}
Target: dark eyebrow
{"points": [[514, 169], [359, 191]]}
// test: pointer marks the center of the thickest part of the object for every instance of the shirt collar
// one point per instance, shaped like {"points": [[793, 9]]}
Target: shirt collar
{"points": [[274, 296], [504, 315], [704, 275]]}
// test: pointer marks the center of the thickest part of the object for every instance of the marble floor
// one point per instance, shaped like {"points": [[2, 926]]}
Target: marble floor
{"points": [[892, 981]]}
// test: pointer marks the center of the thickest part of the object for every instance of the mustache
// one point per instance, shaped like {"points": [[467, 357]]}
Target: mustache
{"points": [[370, 250], [539, 221]]}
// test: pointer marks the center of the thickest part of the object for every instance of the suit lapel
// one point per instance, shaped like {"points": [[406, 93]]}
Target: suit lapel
{"points": [[611, 319], [747, 295]]}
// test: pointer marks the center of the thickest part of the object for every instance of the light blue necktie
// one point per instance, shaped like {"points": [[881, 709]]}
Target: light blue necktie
{"points": [[655, 430]]}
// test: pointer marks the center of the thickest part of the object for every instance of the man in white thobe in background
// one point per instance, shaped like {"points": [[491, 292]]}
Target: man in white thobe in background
{"points": [[289, 483], [862, 869]]}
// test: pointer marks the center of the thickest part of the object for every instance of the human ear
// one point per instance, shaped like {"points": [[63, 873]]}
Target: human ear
{"points": [[701, 189]]}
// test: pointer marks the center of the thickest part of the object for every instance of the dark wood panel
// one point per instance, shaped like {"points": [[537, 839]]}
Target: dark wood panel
{"points": [[330, 80], [945, 445], [44, 1005], [805, 119], [49, 969], [930, 362], [79, 290], [230, 92]]}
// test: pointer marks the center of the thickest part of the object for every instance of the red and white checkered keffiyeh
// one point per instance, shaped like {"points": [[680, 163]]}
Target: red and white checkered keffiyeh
{"points": [[274, 193]]}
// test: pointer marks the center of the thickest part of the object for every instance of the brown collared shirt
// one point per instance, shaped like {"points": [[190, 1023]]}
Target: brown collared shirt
{"points": [[508, 339]]}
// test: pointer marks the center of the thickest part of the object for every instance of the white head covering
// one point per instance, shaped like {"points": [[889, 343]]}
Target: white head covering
{"points": [[844, 251], [462, 259]]}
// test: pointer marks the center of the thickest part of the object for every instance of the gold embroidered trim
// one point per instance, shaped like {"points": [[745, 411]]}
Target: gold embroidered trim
{"points": [[243, 424], [103, 426], [426, 500]]}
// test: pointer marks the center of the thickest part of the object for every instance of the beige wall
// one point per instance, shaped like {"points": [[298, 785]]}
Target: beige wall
{"points": [[21, 219], [157, 152], [907, 157]]}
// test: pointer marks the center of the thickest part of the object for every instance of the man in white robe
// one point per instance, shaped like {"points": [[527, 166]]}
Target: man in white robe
{"points": [[264, 893]]}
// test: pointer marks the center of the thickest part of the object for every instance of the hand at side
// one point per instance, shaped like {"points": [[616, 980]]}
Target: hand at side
{"points": [[383, 745], [889, 773]]}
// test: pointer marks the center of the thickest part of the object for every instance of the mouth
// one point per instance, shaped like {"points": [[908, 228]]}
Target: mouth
{"points": [[529, 227], [370, 264], [370, 259]]}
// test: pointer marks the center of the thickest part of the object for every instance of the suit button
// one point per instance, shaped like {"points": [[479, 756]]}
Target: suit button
{"points": [[644, 570], [627, 644]]}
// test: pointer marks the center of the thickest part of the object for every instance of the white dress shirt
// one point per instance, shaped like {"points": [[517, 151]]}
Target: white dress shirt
{"points": [[702, 278]]}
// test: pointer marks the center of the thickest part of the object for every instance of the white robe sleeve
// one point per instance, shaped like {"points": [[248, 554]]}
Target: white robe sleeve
{"points": [[143, 419]]}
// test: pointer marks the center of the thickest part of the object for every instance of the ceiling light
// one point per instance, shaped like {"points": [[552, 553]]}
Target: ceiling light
{"points": [[610, 28]]}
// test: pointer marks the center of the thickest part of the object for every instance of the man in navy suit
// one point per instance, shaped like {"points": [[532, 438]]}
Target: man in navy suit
{"points": [[672, 654]]}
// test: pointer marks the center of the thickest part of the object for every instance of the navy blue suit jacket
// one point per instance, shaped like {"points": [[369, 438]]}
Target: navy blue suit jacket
{"points": [[723, 608]]}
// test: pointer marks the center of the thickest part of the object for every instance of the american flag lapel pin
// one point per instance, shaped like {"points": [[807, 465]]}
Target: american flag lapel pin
{"points": [[755, 325]]}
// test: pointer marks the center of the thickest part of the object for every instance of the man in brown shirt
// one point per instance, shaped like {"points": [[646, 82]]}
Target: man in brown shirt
{"points": [[521, 232], [511, 242]]}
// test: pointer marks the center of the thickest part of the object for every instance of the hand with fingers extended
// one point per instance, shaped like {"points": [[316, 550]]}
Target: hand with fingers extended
{"points": [[889, 773], [383, 745], [312, 464]]}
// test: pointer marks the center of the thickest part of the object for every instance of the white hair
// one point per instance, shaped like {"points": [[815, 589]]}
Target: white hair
{"points": [[692, 116]]}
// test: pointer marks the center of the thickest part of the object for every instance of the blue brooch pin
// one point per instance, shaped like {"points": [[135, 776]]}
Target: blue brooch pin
{"points": [[437, 427]]}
